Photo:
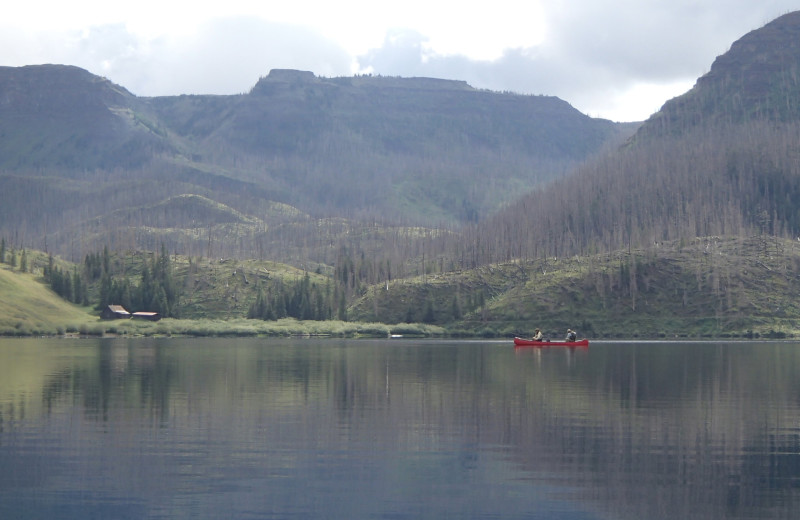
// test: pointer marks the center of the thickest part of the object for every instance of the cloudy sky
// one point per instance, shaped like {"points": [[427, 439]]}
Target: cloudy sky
{"points": [[618, 59]]}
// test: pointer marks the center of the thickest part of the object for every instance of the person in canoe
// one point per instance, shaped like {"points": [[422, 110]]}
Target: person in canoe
{"points": [[571, 335], [537, 335]]}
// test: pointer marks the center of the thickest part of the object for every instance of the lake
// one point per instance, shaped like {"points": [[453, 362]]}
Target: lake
{"points": [[397, 429]]}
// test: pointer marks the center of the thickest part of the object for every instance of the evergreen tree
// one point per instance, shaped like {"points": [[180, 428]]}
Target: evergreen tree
{"points": [[54, 278], [49, 269], [319, 307], [429, 316], [125, 294], [2, 251], [106, 260], [342, 307], [144, 293], [94, 266], [106, 295], [78, 289], [456, 308], [258, 309], [269, 310], [155, 292], [66, 285], [159, 302]]}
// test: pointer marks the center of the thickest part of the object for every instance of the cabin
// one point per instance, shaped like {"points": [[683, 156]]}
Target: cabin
{"points": [[115, 312], [146, 315]]}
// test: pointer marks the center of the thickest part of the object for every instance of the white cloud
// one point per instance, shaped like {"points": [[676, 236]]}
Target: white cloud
{"points": [[223, 56], [620, 59]]}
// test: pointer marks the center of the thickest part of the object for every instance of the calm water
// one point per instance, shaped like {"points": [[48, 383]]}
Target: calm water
{"points": [[395, 429]]}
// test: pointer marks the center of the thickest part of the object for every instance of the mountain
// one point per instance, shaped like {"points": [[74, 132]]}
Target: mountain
{"points": [[83, 161], [64, 118], [413, 149], [757, 79], [720, 160]]}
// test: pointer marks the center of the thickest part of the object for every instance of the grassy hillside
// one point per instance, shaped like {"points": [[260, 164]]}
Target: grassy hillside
{"points": [[28, 307], [225, 289], [709, 287]]}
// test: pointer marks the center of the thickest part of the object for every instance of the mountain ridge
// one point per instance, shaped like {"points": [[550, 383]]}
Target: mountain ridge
{"points": [[64, 117], [418, 151], [741, 84]]}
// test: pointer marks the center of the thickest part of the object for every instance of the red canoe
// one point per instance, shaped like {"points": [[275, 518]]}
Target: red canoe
{"points": [[522, 342]]}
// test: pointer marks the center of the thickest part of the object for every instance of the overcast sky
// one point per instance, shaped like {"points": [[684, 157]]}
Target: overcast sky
{"points": [[618, 59]]}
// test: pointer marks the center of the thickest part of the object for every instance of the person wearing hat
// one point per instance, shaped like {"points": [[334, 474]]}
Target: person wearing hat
{"points": [[571, 335], [537, 335]]}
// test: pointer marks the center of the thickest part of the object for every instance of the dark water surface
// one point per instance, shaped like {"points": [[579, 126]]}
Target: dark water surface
{"points": [[395, 429]]}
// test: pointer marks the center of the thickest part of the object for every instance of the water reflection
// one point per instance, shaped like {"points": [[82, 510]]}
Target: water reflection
{"points": [[173, 428]]}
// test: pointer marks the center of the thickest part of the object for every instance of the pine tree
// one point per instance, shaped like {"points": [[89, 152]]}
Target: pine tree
{"points": [[456, 308], [429, 316], [106, 260], [49, 269], [67, 287], [125, 294], [94, 266], [106, 288], [342, 311], [159, 302], [279, 305], [144, 294], [54, 278], [258, 309], [78, 288]]}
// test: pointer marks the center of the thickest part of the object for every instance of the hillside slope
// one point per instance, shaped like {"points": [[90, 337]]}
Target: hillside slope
{"points": [[28, 307], [720, 160], [62, 118], [757, 79], [711, 286]]}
